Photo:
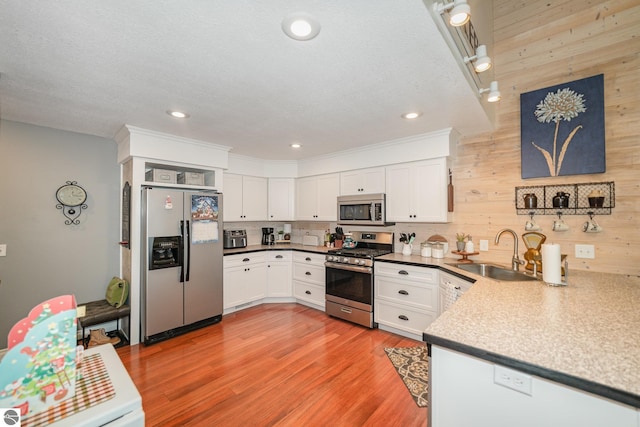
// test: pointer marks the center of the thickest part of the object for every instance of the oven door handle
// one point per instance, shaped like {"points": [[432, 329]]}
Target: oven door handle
{"points": [[348, 267]]}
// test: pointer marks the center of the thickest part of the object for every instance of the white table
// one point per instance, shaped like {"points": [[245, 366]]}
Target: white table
{"points": [[124, 409]]}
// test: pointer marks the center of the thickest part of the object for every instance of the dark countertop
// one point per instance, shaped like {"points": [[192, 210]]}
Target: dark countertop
{"points": [[277, 247]]}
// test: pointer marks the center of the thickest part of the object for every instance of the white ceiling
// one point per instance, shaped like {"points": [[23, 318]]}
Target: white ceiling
{"points": [[91, 66]]}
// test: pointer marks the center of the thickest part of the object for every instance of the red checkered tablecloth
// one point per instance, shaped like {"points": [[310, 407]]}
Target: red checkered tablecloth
{"points": [[92, 389]]}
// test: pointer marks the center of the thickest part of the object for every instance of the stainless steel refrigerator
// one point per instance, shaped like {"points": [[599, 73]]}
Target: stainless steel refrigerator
{"points": [[182, 256]]}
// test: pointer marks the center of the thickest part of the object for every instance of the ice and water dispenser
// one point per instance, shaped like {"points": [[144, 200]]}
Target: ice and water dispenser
{"points": [[165, 252]]}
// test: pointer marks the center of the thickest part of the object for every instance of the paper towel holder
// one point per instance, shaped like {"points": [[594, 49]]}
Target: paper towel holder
{"points": [[565, 266]]}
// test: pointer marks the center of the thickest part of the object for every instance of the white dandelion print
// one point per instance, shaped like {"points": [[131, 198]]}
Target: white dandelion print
{"points": [[563, 129]]}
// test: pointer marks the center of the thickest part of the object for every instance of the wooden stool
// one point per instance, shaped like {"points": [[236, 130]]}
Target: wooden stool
{"points": [[100, 312]]}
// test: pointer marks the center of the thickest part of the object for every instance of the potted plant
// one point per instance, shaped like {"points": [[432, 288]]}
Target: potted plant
{"points": [[460, 241]]}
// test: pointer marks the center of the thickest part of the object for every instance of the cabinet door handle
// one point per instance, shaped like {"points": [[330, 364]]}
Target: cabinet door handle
{"points": [[403, 272], [307, 259], [457, 288], [246, 260], [279, 256], [403, 292], [345, 310], [403, 317], [307, 292], [308, 273]]}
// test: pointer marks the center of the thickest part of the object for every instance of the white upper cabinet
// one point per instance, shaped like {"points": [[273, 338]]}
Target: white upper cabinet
{"points": [[245, 198], [362, 181], [417, 191], [281, 199], [316, 198]]}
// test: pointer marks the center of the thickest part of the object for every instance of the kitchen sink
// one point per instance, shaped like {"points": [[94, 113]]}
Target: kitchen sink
{"points": [[494, 272]]}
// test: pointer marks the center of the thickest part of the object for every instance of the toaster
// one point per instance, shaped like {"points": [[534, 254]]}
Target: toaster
{"points": [[235, 239]]}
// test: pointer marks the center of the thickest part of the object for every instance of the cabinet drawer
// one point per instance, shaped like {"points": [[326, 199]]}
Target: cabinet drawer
{"points": [[276, 256], [425, 274], [407, 319], [309, 273], [308, 258], [416, 294], [307, 292], [244, 259]]}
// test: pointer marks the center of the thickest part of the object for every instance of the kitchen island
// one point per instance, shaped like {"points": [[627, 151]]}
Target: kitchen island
{"points": [[572, 354]]}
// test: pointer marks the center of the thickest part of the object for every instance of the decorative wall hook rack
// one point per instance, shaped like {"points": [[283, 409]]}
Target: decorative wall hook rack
{"points": [[578, 195]]}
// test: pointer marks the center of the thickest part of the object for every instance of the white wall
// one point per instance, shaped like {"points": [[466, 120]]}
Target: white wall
{"points": [[45, 257]]}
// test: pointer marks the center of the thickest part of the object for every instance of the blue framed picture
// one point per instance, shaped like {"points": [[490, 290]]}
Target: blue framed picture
{"points": [[562, 129]]}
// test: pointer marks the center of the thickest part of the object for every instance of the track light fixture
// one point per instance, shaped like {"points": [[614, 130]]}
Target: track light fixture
{"points": [[494, 93], [459, 11], [482, 62]]}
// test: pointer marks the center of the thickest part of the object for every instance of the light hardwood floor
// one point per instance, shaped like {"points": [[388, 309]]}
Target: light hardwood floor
{"points": [[274, 365]]}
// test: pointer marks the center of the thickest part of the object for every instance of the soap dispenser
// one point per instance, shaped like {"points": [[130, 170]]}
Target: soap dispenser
{"points": [[468, 247]]}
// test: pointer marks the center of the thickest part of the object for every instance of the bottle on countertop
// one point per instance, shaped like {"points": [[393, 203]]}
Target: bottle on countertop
{"points": [[468, 247]]}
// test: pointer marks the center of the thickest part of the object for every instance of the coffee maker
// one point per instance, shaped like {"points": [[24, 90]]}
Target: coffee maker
{"points": [[268, 238]]}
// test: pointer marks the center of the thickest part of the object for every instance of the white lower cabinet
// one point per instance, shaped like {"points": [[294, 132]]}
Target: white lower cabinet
{"points": [[459, 380], [279, 281], [406, 298], [309, 278], [244, 279]]}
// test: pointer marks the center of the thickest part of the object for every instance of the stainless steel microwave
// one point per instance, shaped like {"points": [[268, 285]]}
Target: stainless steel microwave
{"points": [[362, 209]]}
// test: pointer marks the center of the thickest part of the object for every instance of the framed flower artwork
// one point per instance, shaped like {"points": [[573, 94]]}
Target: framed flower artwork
{"points": [[562, 129]]}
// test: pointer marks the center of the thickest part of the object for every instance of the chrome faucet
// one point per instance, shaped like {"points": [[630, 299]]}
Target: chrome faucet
{"points": [[515, 261]]}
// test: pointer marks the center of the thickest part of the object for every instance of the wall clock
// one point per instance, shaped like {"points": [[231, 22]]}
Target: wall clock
{"points": [[71, 198]]}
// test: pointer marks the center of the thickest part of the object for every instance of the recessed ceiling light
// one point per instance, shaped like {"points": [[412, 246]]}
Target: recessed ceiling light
{"points": [[411, 115], [296, 145], [178, 114], [300, 26]]}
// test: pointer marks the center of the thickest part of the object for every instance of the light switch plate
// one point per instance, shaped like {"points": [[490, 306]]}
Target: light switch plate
{"points": [[81, 310], [3, 250], [484, 245]]}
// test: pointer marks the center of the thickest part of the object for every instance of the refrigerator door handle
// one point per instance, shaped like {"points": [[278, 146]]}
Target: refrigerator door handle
{"points": [[188, 244], [181, 251]]}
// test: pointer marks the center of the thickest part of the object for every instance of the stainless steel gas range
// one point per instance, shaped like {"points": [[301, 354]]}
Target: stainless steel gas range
{"points": [[349, 277]]}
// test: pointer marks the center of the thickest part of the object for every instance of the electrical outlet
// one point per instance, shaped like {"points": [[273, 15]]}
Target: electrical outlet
{"points": [[512, 379], [484, 245], [3, 250], [81, 311], [585, 251]]}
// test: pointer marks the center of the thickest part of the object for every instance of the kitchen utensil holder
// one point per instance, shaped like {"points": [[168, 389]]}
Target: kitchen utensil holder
{"points": [[578, 199]]}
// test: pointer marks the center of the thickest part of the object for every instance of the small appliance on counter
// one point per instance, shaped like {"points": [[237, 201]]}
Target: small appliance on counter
{"points": [[235, 239], [268, 238]]}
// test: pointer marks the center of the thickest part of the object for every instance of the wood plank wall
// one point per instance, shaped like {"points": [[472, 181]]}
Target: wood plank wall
{"points": [[539, 43]]}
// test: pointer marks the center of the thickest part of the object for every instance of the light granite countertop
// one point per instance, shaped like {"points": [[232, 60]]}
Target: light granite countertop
{"points": [[585, 335]]}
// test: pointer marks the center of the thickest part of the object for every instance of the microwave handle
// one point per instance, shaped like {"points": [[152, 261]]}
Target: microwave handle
{"points": [[372, 211]]}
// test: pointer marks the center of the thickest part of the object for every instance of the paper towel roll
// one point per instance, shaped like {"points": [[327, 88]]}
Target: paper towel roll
{"points": [[551, 264]]}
